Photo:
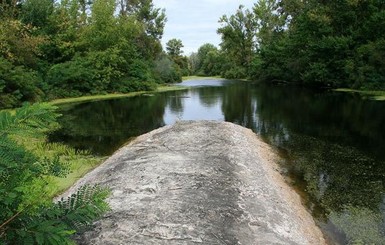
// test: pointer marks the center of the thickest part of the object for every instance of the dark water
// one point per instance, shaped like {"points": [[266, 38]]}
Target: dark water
{"points": [[332, 143]]}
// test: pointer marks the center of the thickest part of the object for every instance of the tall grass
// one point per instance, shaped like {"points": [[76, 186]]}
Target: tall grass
{"points": [[80, 162]]}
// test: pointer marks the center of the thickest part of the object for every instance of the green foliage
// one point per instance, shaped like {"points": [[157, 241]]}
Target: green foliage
{"points": [[26, 185], [74, 48], [181, 65], [207, 61], [314, 43], [17, 84], [72, 78], [167, 71], [36, 12], [174, 47], [238, 40], [328, 44]]}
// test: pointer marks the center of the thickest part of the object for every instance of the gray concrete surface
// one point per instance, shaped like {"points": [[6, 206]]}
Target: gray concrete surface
{"points": [[198, 182]]}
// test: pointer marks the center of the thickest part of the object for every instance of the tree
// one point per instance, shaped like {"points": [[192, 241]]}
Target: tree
{"points": [[37, 12], [238, 40], [193, 62], [324, 44], [17, 84], [28, 215], [174, 47], [174, 51], [269, 21], [167, 71], [208, 62], [145, 12], [79, 47]]}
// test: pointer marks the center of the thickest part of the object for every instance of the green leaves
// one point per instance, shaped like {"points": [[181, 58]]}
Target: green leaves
{"points": [[28, 215], [29, 119], [80, 209]]}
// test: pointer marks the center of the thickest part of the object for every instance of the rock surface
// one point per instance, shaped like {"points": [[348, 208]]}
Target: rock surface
{"points": [[198, 182]]}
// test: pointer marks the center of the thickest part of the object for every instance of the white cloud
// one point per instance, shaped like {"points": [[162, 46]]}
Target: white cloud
{"points": [[195, 22]]}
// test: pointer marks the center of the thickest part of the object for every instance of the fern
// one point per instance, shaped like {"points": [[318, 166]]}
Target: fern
{"points": [[80, 209], [56, 224], [28, 215], [29, 119]]}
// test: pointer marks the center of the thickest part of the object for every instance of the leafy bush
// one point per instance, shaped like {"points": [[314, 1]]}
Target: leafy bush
{"points": [[17, 85], [69, 79], [167, 71], [133, 85], [235, 72]]}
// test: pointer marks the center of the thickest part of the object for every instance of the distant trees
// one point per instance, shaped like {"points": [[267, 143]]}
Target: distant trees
{"points": [[207, 61], [175, 53], [71, 48], [314, 43], [174, 47], [238, 41]]}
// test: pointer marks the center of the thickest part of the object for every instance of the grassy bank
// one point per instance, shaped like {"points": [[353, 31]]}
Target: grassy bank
{"points": [[162, 88], [375, 95], [200, 78], [80, 162]]}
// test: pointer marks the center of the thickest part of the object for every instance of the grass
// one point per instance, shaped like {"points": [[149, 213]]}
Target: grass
{"points": [[93, 97], [162, 88], [199, 77], [374, 95], [80, 162], [170, 88]]}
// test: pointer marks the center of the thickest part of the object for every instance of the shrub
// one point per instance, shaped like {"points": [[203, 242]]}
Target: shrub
{"points": [[17, 85]]}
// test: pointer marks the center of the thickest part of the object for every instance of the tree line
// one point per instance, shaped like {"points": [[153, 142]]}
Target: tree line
{"points": [[313, 43], [52, 49]]}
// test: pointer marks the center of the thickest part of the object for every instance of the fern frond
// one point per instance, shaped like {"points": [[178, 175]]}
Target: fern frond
{"points": [[82, 208], [29, 119], [55, 167]]}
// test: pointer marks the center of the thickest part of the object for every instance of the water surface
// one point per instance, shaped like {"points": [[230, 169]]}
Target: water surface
{"points": [[332, 144]]}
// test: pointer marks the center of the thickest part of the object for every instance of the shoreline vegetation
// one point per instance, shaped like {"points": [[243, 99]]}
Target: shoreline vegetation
{"points": [[378, 95], [186, 78], [162, 88]]}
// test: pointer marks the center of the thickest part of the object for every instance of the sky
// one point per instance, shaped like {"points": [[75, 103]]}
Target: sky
{"points": [[195, 22]]}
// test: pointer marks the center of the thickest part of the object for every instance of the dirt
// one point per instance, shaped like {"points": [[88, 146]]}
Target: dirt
{"points": [[198, 182]]}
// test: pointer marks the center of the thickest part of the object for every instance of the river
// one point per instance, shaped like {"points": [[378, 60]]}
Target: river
{"points": [[332, 144]]}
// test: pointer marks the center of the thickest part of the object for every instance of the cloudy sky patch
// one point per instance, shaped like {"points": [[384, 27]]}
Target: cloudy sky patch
{"points": [[195, 22]]}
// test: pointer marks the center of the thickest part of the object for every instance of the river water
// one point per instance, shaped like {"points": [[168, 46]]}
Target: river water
{"points": [[332, 144]]}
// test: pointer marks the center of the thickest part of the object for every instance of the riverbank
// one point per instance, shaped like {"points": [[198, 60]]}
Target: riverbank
{"points": [[198, 182], [81, 162], [374, 95], [186, 78], [163, 88]]}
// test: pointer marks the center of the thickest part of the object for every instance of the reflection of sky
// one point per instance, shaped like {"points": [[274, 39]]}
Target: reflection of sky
{"points": [[204, 82], [194, 109]]}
